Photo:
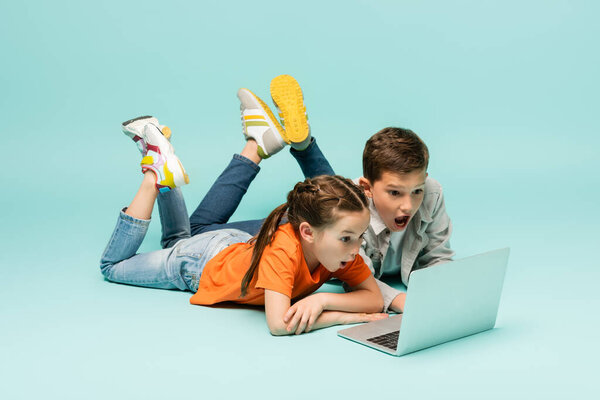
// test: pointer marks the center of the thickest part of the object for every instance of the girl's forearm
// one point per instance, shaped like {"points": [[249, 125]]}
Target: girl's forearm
{"points": [[331, 318]]}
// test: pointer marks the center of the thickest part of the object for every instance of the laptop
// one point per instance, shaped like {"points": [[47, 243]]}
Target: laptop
{"points": [[444, 302]]}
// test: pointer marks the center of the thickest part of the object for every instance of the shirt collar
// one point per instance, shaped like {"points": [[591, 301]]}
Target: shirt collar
{"points": [[376, 222]]}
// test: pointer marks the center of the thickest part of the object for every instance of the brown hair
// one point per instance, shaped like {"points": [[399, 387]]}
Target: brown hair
{"points": [[316, 201], [394, 150]]}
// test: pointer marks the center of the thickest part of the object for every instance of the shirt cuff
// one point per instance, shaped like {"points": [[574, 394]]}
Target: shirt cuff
{"points": [[388, 293]]}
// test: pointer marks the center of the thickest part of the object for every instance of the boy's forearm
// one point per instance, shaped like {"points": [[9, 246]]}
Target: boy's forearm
{"points": [[360, 300]]}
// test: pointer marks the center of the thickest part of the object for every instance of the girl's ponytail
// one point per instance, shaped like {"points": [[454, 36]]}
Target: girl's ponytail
{"points": [[316, 201], [261, 241]]}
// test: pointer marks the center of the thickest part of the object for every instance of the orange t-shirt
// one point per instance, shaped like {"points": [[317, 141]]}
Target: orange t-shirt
{"points": [[282, 269]]}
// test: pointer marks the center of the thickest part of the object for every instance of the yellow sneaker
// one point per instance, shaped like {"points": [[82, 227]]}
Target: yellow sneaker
{"points": [[288, 98]]}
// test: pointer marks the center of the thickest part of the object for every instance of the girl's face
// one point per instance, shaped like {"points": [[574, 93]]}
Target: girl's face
{"points": [[337, 244]]}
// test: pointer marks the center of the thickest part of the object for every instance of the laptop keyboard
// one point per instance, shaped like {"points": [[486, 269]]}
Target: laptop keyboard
{"points": [[389, 340]]}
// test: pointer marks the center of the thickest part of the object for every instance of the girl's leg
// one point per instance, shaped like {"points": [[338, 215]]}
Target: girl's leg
{"points": [[163, 172], [225, 195], [143, 202], [159, 157], [174, 218], [119, 262]]}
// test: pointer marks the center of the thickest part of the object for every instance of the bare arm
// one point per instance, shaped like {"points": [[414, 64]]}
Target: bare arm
{"points": [[276, 305], [331, 318], [308, 313], [365, 297]]}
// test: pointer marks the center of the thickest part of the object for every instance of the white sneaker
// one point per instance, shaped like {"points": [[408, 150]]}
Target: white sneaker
{"points": [[134, 128], [157, 152], [259, 124]]}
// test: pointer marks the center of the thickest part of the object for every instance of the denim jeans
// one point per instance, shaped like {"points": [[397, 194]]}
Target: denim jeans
{"points": [[214, 211], [223, 198], [181, 261]]}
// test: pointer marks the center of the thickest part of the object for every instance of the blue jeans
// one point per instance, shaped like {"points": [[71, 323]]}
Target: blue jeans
{"points": [[214, 211], [181, 261]]}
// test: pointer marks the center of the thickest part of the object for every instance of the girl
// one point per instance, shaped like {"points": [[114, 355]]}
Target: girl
{"points": [[326, 218]]}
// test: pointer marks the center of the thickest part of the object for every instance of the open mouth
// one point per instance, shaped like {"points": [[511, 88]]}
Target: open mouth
{"points": [[343, 264], [401, 222]]}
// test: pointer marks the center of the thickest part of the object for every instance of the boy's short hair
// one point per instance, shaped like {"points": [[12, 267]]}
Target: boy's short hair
{"points": [[395, 150]]}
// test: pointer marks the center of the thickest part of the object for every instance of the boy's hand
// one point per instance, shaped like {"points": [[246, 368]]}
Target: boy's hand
{"points": [[398, 303], [302, 315]]}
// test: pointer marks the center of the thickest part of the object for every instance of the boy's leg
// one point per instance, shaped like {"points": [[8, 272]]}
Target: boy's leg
{"points": [[312, 161], [224, 196], [264, 137], [287, 96]]}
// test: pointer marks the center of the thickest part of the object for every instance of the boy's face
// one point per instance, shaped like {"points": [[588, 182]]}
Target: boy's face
{"points": [[396, 196]]}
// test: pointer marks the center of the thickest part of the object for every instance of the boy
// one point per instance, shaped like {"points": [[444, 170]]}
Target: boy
{"points": [[409, 226]]}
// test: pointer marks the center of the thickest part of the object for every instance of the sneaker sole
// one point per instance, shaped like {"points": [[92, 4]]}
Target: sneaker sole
{"points": [[136, 119], [287, 96], [128, 126]]}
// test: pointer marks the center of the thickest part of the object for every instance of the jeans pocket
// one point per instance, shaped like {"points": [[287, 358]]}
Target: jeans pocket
{"points": [[194, 253], [191, 272]]}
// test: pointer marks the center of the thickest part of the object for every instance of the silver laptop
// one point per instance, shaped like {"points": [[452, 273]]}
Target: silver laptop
{"points": [[443, 302]]}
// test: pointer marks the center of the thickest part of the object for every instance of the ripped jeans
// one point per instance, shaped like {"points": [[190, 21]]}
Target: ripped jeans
{"points": [[181, 261], [179, 264]]}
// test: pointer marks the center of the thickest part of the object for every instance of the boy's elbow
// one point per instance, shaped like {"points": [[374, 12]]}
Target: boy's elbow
{"points": [[381, 306], [377, 308], [377, 303]]}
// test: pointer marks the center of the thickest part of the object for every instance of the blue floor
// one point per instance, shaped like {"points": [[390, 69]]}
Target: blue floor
{"points": [[505, 94]]}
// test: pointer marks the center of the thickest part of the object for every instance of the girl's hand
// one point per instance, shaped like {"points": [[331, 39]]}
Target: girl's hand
{"points": [[356, 318], [302, 315]]}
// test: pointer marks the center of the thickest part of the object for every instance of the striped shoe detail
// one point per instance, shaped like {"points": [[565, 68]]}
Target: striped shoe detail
{"points": [[260, 125], [255, 120]]}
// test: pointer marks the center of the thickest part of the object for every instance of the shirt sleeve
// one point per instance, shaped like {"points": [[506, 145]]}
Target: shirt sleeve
{"points": [[366, 258], [438, 231], [355, 273], [388, 293], [276, 271]]}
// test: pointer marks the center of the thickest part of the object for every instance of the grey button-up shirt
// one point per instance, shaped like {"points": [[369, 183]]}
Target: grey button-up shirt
{"points": [[424, 242]]}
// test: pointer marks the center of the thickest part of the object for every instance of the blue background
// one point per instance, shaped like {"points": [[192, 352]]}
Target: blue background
{"points": [[505, 94]]}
